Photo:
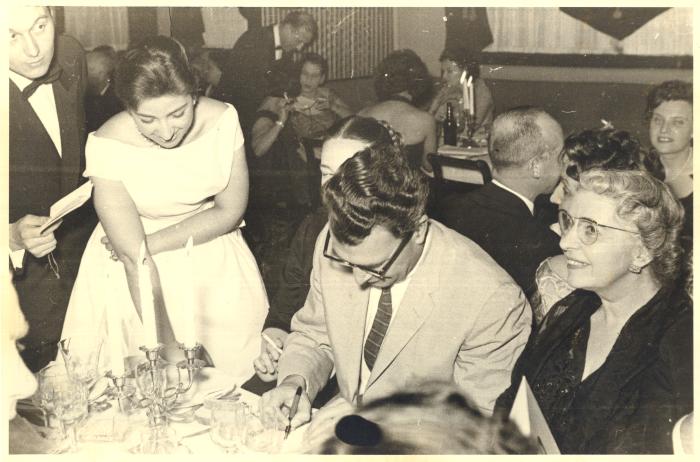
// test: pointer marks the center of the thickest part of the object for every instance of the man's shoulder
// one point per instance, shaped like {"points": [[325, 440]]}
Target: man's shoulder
{"points": [[458, 250], [67, 48]]}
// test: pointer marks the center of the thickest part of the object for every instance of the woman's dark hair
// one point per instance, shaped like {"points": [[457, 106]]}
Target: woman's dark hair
{"points": [[671, 90], [283, 78], [464, 59], [365, 129], [315, 58], [607, 149], [402, 70], [156, 67]]}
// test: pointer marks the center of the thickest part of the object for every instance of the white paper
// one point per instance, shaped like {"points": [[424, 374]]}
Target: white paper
{"points": [[526, 413], [67, 204]]}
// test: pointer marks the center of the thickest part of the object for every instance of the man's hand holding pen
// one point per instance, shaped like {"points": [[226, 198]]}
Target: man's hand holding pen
{"points": [[280, 401]]}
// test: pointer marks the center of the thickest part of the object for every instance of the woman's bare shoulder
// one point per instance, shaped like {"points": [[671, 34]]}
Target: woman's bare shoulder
{"points": [[120, 127]]}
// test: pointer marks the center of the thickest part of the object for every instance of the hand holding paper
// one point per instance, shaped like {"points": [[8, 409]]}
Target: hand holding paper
{"points": [[30, 233], [67, 204]]}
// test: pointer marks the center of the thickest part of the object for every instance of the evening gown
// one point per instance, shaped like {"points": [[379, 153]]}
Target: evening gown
{"points": [[168, 186]]}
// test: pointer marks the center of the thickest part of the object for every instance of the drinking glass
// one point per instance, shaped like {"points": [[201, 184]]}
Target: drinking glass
{"points": [[227, 421], [70, 405], [262, 435], [81, 355], [43, 397]]}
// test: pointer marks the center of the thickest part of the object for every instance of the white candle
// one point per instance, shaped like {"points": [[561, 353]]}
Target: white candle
{"points": [[470, 92], [148, 313], [190, 296], [114, 332], [465, 93]]}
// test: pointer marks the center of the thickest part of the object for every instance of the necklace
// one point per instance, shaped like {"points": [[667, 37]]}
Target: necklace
{"points": [[688, 158]]}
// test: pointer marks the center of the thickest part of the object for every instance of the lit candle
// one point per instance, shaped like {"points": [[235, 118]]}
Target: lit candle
{"points": [[148, 313], [465, 93], [470, 92], [190, 297], [114, 332]]}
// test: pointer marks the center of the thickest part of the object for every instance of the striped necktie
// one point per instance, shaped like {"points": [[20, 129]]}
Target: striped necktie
{"points": [[379, 328]]}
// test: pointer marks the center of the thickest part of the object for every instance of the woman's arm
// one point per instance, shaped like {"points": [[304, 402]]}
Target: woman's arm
{"points": [[122, 224], [265, 131], [430, 142], [225, 216], [484, 105]]}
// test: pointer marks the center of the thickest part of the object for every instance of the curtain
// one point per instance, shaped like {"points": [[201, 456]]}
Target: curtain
{"points": [[95, 26], [549, 30], [353, 40]]}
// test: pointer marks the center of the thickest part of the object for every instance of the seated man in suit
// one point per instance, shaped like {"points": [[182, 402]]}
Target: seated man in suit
{"points": [[524, 149], [396, 299]]}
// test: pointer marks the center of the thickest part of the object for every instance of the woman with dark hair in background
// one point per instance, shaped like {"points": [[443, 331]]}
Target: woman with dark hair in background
{"points": [[604, 148], [402, 85], [170, 167], [453, 63], [611, 364], [670, 115]]}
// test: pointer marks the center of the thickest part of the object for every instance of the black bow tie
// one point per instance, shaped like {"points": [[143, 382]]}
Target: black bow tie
{"points": [[51, 76]]}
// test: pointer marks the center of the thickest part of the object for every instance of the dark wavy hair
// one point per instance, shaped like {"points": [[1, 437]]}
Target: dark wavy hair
{"points": [[607, 149], [431, 418], [464, 59], [670, 90], [301, 20], [376, 186], [158, 66], [315, 58], [649, 204], [402, 70], [366, 129]]}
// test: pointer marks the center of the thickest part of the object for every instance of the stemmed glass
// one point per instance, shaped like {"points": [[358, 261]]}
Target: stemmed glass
{"points": [[262, 435], [81, 354], [70, 404]]}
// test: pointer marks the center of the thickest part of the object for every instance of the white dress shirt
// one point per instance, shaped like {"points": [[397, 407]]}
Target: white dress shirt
{"points": [[397, 292], [278, 42], [44, 105]]}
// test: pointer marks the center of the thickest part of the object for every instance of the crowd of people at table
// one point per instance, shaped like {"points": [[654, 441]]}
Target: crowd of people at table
{"points": [[412, 332]]}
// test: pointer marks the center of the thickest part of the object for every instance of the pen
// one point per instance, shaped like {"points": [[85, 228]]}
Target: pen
{"points": [[292, 411], [271, 342]]}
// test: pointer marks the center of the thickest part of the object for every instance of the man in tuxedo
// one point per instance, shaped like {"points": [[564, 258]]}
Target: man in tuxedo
{"points": [[243, 70], [524, 148], [47, 135], [396, 299]]}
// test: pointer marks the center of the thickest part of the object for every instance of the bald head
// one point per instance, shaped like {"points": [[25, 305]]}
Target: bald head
{"points": [[520, 134]]}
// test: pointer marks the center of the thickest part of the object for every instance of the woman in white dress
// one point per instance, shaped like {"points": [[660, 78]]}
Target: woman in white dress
{"points": [[169, 167]]}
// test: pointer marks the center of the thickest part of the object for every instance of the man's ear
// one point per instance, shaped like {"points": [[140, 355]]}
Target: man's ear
{"points": [[534, 165], [422, 232]]}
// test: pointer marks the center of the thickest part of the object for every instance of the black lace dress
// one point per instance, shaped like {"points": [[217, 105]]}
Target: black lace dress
{"points": [[630, 404]]}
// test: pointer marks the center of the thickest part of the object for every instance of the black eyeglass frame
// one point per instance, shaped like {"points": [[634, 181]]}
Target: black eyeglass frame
{"points": [[595, 224], [381, 274]]}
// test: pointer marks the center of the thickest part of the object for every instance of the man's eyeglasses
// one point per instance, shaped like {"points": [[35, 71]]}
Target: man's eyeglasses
{"points": [[586, 229], [379, 274]]}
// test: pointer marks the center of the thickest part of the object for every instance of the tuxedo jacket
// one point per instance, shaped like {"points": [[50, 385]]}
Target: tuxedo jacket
{"points": [[38, 177], [462, 319], [243, 80], [501, 224]]}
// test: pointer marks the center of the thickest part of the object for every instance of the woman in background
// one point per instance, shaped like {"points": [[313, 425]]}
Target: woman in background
{"points": [[453, 63], [170, 167], [402, 84], [611, 364], [670, 115]]}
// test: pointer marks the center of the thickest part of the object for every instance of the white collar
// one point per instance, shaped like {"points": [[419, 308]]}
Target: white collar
{"points": [[21, 81], [530, 205], [276, 34]]}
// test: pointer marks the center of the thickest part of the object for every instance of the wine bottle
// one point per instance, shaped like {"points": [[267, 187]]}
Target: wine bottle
{"points": [[449, 127]]}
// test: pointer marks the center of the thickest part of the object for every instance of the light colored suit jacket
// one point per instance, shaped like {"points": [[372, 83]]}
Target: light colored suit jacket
{"points": [[462, 318]]}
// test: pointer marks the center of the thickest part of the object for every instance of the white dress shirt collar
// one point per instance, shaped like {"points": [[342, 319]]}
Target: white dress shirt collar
{"points": [[278, 41]]}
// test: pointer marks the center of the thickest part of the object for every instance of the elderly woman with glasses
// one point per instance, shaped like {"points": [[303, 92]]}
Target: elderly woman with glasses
{"points": [[611, 364]]}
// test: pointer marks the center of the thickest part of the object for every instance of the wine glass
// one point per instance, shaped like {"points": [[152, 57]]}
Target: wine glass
{"points": [[81, 355], [227, 421], [69, 402], [43, 397]]}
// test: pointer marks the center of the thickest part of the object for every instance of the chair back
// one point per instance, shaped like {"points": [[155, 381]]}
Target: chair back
{"points": [[458, 170]]}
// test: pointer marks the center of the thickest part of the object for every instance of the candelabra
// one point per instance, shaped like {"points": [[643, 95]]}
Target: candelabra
{"points": [[467, 138]]}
